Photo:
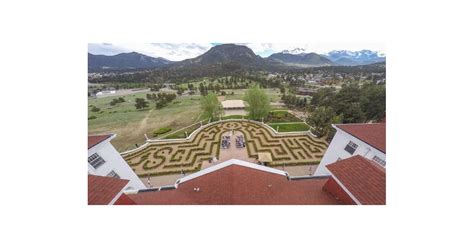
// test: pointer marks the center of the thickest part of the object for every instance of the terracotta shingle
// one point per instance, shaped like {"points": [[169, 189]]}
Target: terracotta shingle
{"points": [[124, 200], [364, 179], [102, 190], [93, 140], [236, 184]]}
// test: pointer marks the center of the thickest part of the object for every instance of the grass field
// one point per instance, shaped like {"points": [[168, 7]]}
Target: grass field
{"points": [[273, 94], [130, 124], [290, 127]]}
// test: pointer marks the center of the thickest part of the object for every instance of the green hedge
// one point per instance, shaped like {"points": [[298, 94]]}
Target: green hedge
{"points": [[281, 116], [234, 117], [162, 130]]}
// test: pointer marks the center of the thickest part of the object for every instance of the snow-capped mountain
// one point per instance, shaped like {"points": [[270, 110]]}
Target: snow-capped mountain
{"points": [[294, 51], [362, 57]]}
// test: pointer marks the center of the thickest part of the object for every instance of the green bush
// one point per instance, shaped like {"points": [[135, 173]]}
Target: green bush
{"points": [[161, 131], [95, 109], [92, 117], [281, 116], [233, 117]]}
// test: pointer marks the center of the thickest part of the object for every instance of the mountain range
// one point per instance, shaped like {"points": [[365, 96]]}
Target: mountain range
{"points": [[301, 59], [124, 61], [363, 57], [234, 57]]}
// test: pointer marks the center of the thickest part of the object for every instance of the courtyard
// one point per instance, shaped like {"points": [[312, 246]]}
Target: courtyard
{"points": [[297, 153]]}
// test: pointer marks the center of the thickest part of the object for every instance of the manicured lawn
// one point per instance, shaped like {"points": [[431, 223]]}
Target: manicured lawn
{"points": [[290, 127], [182, 133], [161, 131]]}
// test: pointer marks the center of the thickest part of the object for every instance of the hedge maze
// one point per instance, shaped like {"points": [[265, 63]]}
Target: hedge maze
{"points": [[174, 157]]}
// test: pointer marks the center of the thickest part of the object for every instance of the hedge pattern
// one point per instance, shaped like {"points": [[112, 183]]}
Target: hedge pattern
{"points": [[187, 156]]}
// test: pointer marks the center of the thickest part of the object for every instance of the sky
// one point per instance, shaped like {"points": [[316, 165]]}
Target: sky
{"points": [[181, 51]]}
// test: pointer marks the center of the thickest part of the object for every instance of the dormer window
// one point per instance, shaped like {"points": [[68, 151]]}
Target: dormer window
{"points": [[95, 160], [351, 147], [113, 174], [379, 160]]}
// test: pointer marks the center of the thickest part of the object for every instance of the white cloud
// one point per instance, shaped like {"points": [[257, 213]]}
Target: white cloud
{"points": [[171, 51]]}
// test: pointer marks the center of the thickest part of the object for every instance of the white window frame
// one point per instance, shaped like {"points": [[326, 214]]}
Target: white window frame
{"points": [[114, 174], [379, 160], [351, 145], [95, 160]]}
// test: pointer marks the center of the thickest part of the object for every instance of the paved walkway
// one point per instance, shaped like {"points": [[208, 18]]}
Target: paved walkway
{"points": [[231, 153], [228, 112], [161, 180]]}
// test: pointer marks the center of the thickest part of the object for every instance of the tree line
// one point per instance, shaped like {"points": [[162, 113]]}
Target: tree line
{"points": [[351, 104], [161, 99]]}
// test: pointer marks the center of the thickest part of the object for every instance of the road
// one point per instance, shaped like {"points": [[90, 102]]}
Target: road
{"points": [[125, 92]]}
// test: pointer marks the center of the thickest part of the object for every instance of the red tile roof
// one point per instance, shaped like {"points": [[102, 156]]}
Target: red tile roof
{"points": [[237, 184], [364, 179], [96, 139], [102, 190], [372, 134], [124, 200]]}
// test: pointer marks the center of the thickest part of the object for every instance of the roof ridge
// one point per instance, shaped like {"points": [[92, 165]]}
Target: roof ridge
{"points": [[228, 163]]}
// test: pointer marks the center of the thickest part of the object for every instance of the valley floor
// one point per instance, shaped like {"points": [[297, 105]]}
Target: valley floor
{"points": [[131, 124]]}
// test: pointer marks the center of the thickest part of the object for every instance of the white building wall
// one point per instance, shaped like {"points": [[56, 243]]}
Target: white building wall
{"points": [[115, 162], [336, 151]]}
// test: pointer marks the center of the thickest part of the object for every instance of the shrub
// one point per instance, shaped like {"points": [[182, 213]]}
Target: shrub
{"points": [[95, 109], [281, 116], [161, 131], [92, 117], [234, 117]]}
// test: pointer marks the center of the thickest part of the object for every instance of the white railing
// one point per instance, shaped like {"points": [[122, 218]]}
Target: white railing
{"points": [[162, 140]]}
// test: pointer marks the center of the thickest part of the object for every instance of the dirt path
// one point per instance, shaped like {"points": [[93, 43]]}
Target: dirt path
{"points": [[140, 129]]}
